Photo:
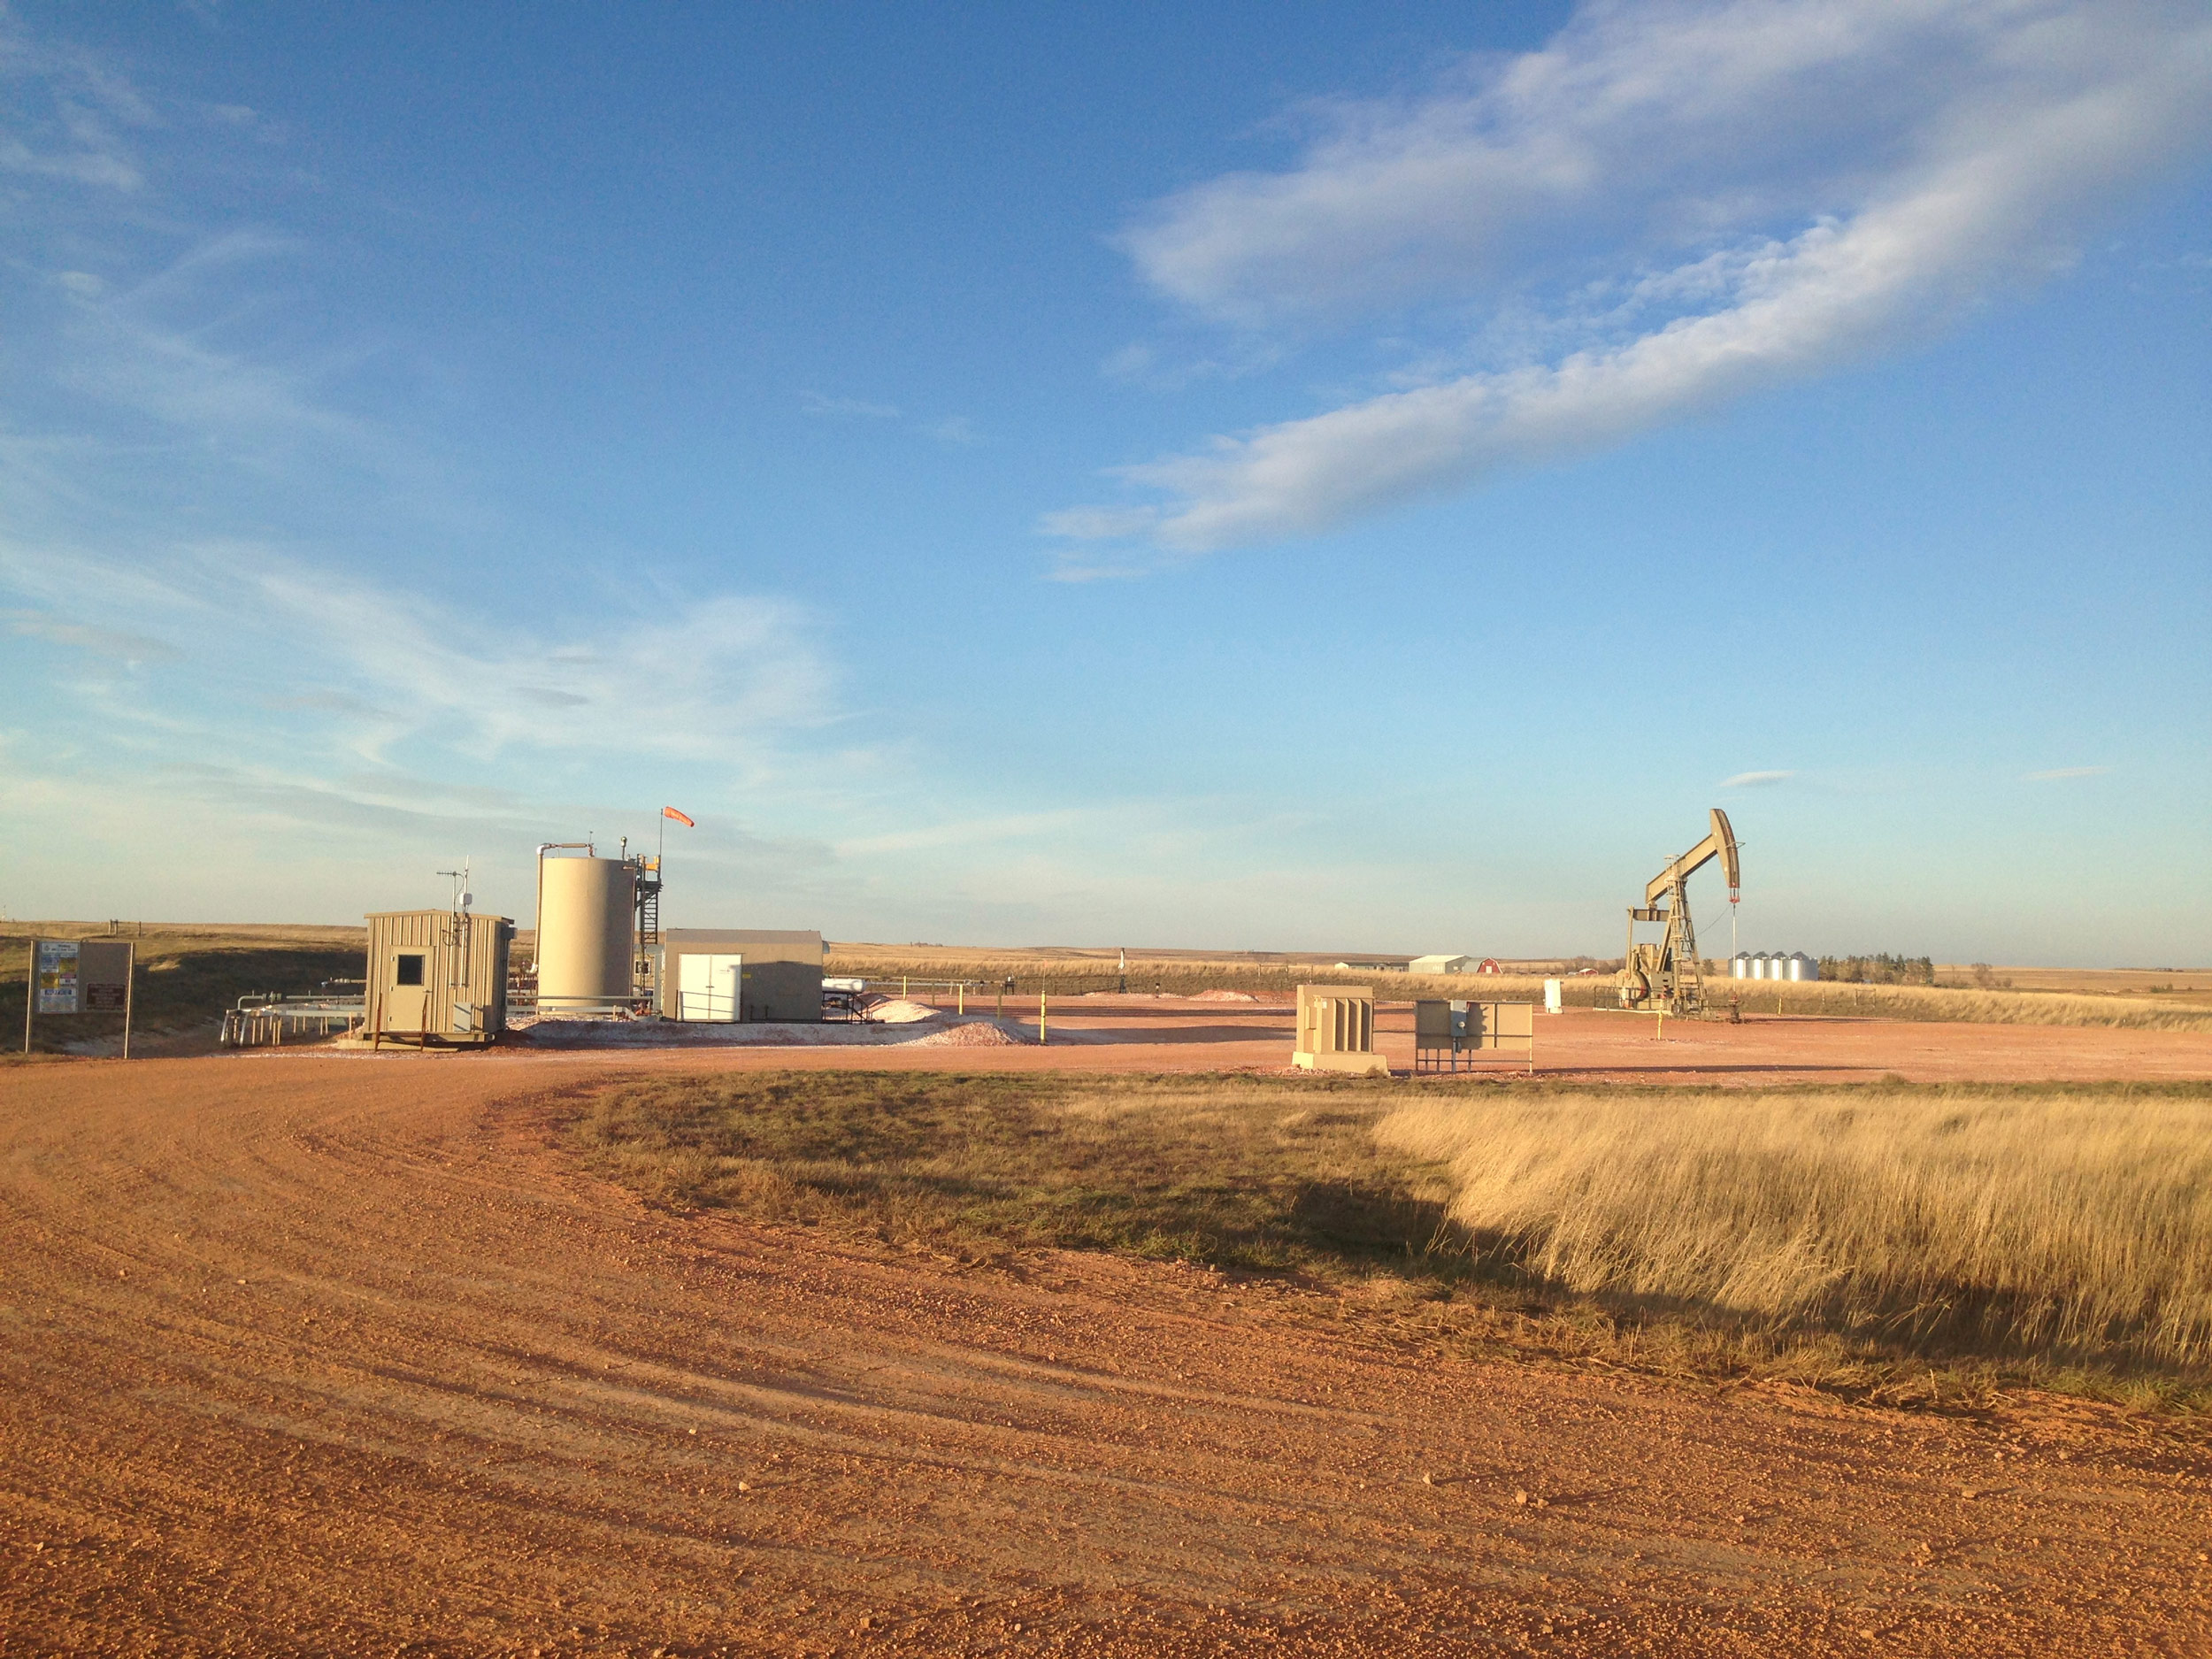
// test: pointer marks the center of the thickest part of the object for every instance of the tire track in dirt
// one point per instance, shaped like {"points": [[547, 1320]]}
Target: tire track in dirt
{"points": [[298, 1356]]}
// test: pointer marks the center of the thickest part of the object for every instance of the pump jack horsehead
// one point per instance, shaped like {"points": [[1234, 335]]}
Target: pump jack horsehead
{"points": [[1663, 977]]}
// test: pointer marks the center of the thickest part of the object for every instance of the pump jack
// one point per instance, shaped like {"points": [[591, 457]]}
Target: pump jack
{"points": [[1664, 976]]}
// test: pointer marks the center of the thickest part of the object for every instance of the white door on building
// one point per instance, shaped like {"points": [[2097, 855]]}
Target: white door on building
{"points": [[706, 987], [406, 1006]]}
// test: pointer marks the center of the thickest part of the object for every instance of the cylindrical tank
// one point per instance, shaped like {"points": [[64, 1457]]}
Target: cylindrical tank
{"points": [[1739, 966], [586, 911], [1759, 965], [1802, 966]]}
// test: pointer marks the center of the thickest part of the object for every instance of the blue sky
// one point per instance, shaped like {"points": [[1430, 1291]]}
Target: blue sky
{"points": [[1282, 476]]}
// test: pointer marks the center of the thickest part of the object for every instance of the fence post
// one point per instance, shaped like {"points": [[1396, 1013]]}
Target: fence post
{"points": [[1040, 1020]]}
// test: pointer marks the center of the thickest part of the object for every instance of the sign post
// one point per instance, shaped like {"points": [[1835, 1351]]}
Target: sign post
{"points": [[104, 981]]}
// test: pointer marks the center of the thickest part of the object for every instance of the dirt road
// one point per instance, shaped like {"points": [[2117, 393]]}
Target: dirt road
{"points": [[305, 1355]]}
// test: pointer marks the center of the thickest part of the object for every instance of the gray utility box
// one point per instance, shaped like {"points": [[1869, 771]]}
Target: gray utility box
{"points": [[1447, 1035]]}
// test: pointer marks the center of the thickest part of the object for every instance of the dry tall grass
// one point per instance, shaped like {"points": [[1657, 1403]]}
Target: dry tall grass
{"points": [[1953, 1002], [2052, 1221]]}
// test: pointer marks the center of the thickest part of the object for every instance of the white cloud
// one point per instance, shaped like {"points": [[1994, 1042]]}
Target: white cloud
{"points": [[1755, 779], [1698, 200], [2060, 774]]}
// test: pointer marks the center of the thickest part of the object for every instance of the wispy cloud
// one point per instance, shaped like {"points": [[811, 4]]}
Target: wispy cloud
{"points": [[725, 677], [1693, 199], [848, 408], [315, 653], [128, 648], [1076, 571], [2060, 774], [1755, 779], [1017, 826], [957, 430], [953, 431], [70, 117]]}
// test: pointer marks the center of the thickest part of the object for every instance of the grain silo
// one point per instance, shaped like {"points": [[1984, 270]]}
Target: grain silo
{"points": [[1739, 965], [1802, 966], [586, 918], [1759, 965]]}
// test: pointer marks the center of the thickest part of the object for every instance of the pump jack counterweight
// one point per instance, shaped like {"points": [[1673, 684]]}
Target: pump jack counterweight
{"points": [[1665, 975]]}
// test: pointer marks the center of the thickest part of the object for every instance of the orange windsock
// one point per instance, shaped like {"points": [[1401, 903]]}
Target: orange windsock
{"points": [[670, 811]]}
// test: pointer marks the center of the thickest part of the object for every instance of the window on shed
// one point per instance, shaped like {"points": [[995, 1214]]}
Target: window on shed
{"points": [[407, 968]]}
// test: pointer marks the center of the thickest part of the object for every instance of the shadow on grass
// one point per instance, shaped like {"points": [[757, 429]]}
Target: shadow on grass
{"points": [[1247, 1175]]}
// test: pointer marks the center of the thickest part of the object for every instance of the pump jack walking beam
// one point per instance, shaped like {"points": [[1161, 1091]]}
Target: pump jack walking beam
{"points": [[1666, 975]]}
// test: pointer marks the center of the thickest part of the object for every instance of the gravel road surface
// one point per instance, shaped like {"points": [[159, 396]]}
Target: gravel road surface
{"points": [[305, 1355]]}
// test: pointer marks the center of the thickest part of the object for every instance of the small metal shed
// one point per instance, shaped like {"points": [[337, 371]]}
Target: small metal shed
{"points": [[1441, 964], [739, 975], [436, 975]]}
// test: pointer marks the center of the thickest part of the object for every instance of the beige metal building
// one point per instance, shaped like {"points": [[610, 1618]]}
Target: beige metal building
{"points": [[1441, 964], [436, 975], [739, 974]]}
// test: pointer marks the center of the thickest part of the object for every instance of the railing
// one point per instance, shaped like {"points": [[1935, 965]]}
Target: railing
{"points": [[529, 1004], [265, 1016], [705, 1006]]}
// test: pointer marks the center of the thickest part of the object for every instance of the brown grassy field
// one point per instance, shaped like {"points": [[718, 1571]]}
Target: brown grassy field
{"points": [[1070, 975], [188, 972], [2183, 985], [1894, 1243]]}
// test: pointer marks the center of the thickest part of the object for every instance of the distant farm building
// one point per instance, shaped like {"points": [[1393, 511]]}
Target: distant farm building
{"points": [[1441, 964]]}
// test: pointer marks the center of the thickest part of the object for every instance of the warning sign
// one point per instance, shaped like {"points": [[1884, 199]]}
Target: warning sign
{"points": [[56, 975]]}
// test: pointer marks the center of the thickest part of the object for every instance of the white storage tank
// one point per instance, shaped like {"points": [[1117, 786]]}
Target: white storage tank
{"points": [[587, 915], [1739, 965], [1759, 965], [1802, 966]]}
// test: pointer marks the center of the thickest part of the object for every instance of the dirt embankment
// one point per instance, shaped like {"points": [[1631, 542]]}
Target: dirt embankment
{"points": [[311, 1356]]}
